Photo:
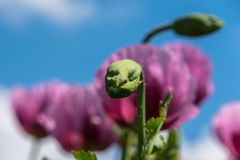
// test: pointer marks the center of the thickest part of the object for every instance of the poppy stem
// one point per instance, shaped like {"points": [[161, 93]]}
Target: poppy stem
{"points": [[34, 150], [127, 144], [149, 36], [141, 118]]}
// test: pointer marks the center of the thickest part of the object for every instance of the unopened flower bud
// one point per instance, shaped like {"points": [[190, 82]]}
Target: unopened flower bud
{"points": [[197, 24], [122, 78]]}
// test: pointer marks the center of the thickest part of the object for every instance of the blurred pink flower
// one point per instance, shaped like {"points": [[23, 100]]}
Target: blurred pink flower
{"points": [[78, 119], [29, 104], [199, 66], [164, 71], [226, 126]]}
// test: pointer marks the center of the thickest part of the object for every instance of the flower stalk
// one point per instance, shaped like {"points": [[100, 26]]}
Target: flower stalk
{"points": [[192, 25], [124, 77], [141, 118], [162, 28]]}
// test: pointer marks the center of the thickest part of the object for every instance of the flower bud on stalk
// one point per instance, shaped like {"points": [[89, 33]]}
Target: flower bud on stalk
{"points": [[192, 25], [197, 24], [122, 78]]}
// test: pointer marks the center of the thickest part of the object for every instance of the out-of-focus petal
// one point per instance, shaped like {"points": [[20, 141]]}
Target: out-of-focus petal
{"points": [[226, 126], [79, 119], [199, 66], [29, 103]]}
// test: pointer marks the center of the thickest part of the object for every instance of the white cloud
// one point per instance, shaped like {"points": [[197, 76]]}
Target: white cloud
{"points": [[60, 11], [204, 148], [67, 12]]}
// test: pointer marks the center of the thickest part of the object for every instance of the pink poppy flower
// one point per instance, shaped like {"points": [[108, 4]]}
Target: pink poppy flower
{"points": [[164, 71], [77, 119], [199, 66], [226, 126], [29, 104]]}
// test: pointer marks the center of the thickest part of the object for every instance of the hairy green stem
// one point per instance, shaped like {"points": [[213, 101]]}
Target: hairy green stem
{"points": [[141, 118], [156, 31]]}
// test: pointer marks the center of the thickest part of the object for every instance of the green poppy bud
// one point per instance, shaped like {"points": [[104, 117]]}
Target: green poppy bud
{"points": [[122, 78], [197, 25]]}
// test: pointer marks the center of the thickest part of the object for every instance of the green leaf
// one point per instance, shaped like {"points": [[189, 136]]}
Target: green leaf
{"points": [[164, 105], [154, 125], [158, 144], [171, 151], [154, 142], [84, 155]]}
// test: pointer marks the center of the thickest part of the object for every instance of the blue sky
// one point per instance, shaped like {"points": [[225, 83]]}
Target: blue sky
{"points": [[70, 40]]}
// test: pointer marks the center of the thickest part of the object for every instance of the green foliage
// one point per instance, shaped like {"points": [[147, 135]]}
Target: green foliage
{"points": [[158, 144], [83, 155], [154, 142], [171, 149], [153, 126]]}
